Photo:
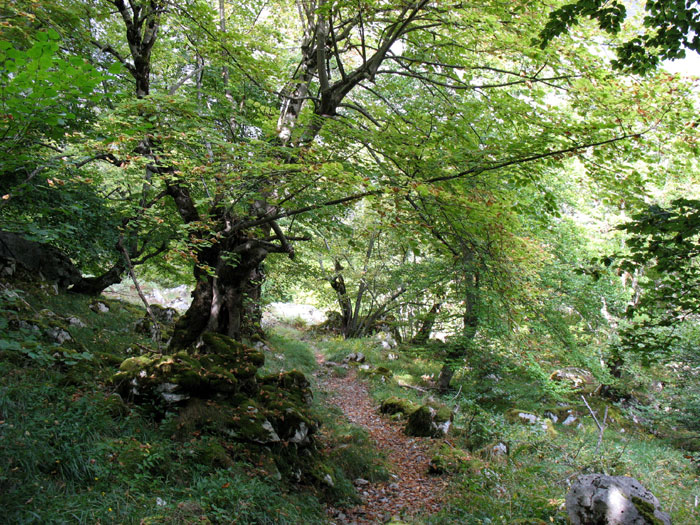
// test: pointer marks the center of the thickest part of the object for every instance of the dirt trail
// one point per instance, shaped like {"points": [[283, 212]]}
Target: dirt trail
{"points": [[411, 490]]}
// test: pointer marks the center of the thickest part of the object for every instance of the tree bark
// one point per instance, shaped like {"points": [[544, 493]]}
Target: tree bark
{"points": [[427, 325], [471, 325], [228, 300], [338, 284]]}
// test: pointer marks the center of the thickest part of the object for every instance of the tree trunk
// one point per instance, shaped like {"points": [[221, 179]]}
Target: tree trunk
{"points": [[251, 318], [427, 326], [228, 301], [471, 324], [338, 284]]}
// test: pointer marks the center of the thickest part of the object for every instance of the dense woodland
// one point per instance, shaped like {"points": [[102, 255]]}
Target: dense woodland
{"points": [[493, 202]]}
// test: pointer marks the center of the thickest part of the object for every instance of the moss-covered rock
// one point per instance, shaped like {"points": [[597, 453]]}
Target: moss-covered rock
{"points": [[447, 460], [381, 372], [430, 420], [115, 406], [564, 414], [221, 366], [171, 378], [420, 423], [250, 422], [166, 317], [222, 351], [211, 453], [398, 405]]}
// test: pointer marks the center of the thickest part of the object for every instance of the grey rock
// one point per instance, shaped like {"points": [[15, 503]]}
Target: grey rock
{"points": [[59, 335], [99, 307], [499, 449], [41, 261], [570, 420], [597, 499], [358, 357], [577, 378]]}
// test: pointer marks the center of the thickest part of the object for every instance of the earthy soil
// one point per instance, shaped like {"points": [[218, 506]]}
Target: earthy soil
{"points": [[411, 491]]}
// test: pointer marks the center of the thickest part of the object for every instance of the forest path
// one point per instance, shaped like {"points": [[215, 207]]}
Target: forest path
{"points": [[411, 490]]}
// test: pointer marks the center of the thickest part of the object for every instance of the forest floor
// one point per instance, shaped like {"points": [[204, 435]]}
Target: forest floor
{"points": [[411, 490]]}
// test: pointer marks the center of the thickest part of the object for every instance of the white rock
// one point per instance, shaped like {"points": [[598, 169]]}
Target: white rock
{"points": [[570, 420], [301, 435], [59, 335]]}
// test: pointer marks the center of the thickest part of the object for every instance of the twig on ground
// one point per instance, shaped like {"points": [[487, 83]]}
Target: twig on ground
{"points": [[601, 427]]}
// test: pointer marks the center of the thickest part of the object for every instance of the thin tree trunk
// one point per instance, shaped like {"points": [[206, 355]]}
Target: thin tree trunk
{"points": [[471, 324], [427, 326]]}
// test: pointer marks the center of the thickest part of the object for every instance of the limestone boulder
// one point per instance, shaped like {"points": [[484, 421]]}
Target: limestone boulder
{"points": [[597, 499], [429, 420]]}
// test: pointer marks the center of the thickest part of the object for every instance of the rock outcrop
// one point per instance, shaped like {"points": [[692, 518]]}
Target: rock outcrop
{"points": [[597, 499], [217, 382], [37, 261]]}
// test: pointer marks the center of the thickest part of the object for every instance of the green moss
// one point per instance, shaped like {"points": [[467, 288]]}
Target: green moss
{"points": [[115, 406], [420, 423], [447, 459], [224, 350], [135, 364], [428, 420], [514, 415], [443, 412], [292, 386], [646, 510], [322, 474], [398, 405], [250, 422]]}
